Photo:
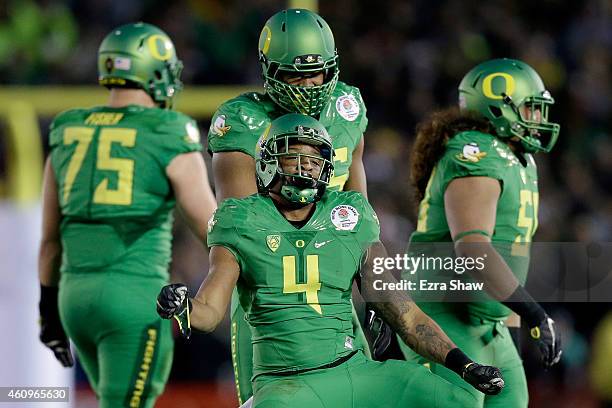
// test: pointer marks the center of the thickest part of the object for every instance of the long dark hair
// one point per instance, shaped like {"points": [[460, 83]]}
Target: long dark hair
{"points": [[433, 133]]}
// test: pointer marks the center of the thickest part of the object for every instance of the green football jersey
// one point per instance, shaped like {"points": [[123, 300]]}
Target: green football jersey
{"points": [[295, 283], [240, 122], [115, 198], [473, 153]]}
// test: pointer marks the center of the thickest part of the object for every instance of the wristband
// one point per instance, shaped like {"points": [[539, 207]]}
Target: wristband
{"points": [[48, 302], [523, 304], [456, 360]]}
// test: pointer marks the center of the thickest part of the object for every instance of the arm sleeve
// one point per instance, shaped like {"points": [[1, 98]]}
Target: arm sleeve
{"points": [[56, 127], [55, 134], [222, 230], [230, 131], [363, 119], [369, 227], [474, 154], [176, 136]]}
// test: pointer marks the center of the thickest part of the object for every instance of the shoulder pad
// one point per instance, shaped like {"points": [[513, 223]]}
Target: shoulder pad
{"points": [[169, 116], [475, 154], [177, 125], [235, 212], [239, 122], [352, 212], [247, 110], [471, 147], [71, 116], [347, 105], [354, 199]]}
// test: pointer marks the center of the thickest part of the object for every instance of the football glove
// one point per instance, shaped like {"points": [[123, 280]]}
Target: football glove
{"points": [[485, 379], [548, 341], [52, 334], [173, 302], [383, 339], [541, 326]]}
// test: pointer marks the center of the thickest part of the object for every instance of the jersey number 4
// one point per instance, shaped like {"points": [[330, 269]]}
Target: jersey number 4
{"points": [[312, 285], [83, 136]]}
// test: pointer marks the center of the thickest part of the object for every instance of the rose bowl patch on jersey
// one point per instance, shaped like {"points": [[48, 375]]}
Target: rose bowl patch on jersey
{"points": [[348, 107], [344, 217]]}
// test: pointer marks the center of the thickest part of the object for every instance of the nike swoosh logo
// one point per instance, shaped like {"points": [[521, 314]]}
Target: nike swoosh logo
{"points": [[320, 244], [371, 318]]}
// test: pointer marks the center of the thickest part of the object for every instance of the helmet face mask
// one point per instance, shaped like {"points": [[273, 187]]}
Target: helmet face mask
{"points": [[141, 56], [299, 188], [502, 91], [308, 100], [298, 42], [168, 84], [532, 125]]}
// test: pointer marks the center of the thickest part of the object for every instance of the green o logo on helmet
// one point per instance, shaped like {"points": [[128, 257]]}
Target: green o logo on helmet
{"points": [[266, 37], [487, 85], [163, 53]]}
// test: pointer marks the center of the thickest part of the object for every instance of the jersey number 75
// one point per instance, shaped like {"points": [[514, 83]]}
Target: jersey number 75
{"points": [[83, 137]]}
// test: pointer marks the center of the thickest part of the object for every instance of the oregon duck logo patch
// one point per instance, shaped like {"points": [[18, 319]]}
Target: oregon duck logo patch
{"points": [[218, 127], [471, 153]]}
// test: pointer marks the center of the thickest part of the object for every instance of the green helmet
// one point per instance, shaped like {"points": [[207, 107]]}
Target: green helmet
{"points": [[292, 128], [141, 55], [498, 89], [298, 41]]}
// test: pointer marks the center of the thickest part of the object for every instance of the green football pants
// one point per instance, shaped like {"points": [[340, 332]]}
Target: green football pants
{"points": [[362, 383], [486, 342], [242, 348], [124, 347]]}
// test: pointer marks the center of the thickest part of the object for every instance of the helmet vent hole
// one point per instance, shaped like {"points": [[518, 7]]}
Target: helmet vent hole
{"points": [[158, 74], [495, 111], [283, 28], [475, 81], [319, 22]]}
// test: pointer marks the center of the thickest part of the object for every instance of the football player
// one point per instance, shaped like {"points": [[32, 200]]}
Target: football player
{"points": [[476, 179], [293, 252], [300, 70], [112, 180]]}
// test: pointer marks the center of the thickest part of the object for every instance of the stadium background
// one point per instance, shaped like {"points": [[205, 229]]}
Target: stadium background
{"points": [[407, 58]]}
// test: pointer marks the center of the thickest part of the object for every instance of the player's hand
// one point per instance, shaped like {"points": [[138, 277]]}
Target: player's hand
{"points": [[52, 333], [485, 379], [53, 336], [384, 341], [546, 337], [172, 300]]}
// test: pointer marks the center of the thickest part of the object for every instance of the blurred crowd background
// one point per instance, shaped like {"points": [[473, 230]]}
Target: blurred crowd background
{"points": [[407, 57]]}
